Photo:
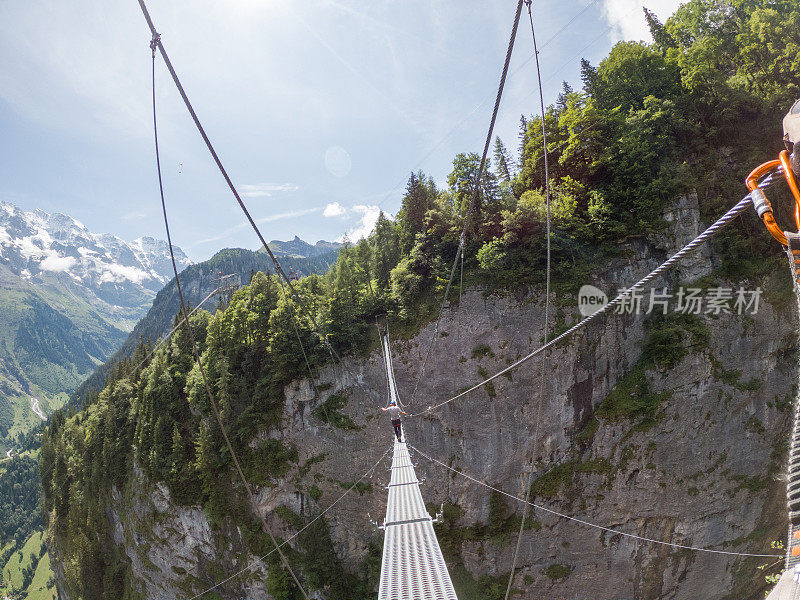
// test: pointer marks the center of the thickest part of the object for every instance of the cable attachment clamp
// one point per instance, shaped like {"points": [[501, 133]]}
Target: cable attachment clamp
{"points": [[762, 176], [760, 202], [155, 42]]}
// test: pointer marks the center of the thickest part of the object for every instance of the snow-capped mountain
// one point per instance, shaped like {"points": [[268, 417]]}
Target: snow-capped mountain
{"points": [[37, 246], [68, 299]]}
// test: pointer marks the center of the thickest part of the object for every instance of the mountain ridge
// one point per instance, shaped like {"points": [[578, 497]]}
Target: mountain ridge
{"points": [[34, 242], [298, 248], [68, 298]]}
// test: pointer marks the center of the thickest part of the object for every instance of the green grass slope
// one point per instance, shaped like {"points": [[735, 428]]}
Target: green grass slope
{"points": [[43, 585], [26, 571], [51, 339]]}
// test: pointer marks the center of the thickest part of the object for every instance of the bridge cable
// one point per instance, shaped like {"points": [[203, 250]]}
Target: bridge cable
{"points": [[580, 52], [158, 44], [381, 337], [455, 127], [386, 352], [712, 230], [153, 44], [461, 280], [298, 532], [589, 523], [391, 364], [543, 362], [173, 330], [475, 193]]}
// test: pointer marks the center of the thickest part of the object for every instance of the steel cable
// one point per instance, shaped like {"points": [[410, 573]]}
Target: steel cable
{"points": [[299, 531], [589, 523], [474, 200], [196, 351], [543, 363], [281, 273], [173, 330], [738, 208]]}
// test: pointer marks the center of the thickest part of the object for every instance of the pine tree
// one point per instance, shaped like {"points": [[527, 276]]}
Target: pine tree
{"points": [[206, 462], [362, 257], [178, 454], [588, 76], [462, 181], [660, 34], [523, 135], [418, 199], [344, 326], [563, 96], [159, 452], [385, 252], [263, 300], [503, 160]]}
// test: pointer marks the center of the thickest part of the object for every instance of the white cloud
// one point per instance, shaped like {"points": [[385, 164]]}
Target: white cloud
{"points": [[334, 209], [29, 248], [259, 190], [369, 216], [627, 19], [114, 273], [287, 215], [57, 264]]}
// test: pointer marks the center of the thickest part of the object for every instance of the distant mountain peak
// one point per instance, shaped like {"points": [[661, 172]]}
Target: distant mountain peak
{"points": [[37, 244], [298, 248]]}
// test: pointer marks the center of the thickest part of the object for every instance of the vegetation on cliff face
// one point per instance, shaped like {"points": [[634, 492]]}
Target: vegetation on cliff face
{"points": [[694, 110], [198, 281]]}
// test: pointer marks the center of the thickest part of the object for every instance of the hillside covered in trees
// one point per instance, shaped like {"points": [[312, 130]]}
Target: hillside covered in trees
{"points": [[198, 282], [693, 111]]}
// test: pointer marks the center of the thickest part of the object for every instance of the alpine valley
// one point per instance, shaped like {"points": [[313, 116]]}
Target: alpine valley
{"points": [[68, 298], [72, 303], [643, 453]]}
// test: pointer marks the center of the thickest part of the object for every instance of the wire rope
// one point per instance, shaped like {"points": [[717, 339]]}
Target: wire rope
{"points": [[712, 230], [173, 330], [455, 127], [254, 506], [281, 273], [298, 532], [589, 523], [543, 363], [474, 199]]}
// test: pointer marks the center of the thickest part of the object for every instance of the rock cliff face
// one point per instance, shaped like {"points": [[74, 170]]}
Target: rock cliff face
{"points": [[672, 428]]}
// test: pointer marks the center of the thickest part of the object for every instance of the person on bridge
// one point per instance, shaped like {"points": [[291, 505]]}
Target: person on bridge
{"points": [[394, 413]]}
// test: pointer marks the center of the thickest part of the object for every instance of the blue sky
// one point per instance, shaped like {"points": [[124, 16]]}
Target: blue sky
{"points": [[319, 109]]}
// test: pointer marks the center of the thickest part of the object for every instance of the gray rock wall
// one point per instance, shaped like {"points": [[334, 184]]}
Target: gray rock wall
{"points": [[706, 472]]}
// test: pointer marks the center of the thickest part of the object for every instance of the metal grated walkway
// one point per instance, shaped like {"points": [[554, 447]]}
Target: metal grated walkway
{"points": [[412, 567]]}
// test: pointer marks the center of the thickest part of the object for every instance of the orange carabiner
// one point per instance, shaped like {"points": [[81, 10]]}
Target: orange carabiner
{"points": [[761, 202]]}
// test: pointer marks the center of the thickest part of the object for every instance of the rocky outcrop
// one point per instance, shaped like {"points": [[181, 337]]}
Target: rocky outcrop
{"points": [[671, 429]]}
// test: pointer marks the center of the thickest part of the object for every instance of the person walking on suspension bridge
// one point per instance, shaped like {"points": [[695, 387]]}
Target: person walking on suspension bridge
{"points": [[394, 413]]}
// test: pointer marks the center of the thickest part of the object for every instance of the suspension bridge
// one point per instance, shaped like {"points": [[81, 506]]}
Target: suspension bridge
{"points": [[412, 565]]}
